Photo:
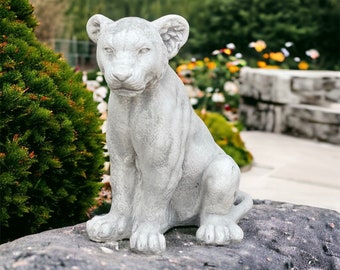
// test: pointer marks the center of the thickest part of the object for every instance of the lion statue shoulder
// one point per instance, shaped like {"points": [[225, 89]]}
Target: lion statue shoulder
{"points": [[166, 169]]}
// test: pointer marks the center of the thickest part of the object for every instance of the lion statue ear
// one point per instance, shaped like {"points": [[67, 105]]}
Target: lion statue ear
{"points": [[95, 25], [174, 31]]}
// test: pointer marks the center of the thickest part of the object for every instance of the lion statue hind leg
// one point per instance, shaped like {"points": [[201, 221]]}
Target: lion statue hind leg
{"points": [[223, 204]]}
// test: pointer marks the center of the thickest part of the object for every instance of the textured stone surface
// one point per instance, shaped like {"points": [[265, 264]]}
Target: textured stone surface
{"points": [[261, 84], [305, 103], [288, 86], [257, 115], [333, 95], [314, 122], [277, 236]]}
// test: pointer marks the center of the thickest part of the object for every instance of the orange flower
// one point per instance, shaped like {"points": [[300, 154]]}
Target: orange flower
{"points": [[277, 56], [211, 65], [180, 68], [303, 65], [261, 64], [227, 51], [191, 65], [266, 56], [206, 59], [233, 69], [272, 67]]}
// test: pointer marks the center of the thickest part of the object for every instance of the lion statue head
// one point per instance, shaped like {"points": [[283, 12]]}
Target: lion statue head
{"points": [[133, 53]]}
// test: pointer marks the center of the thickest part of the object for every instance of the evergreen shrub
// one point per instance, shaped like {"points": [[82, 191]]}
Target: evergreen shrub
{"points": [[51, 144]]}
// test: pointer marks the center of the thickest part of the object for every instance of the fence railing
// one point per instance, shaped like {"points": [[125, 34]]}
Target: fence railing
{"points": [[79, 54]]}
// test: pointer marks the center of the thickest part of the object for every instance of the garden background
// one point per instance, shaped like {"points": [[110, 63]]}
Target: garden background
{"points": [[213, 23]]}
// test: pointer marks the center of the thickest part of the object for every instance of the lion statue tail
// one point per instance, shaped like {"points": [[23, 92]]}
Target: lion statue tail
{"points": [[243, 203]]}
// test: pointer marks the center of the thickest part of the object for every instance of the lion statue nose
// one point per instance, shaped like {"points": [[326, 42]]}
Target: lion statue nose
{"points": [[122, 76]]}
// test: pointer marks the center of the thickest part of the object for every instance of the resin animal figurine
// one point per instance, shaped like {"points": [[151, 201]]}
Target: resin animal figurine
{"points": [[166, 170]]}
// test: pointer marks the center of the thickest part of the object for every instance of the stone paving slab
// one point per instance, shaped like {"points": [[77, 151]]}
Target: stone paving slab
{"points": [[294, 170], [310, 170]]}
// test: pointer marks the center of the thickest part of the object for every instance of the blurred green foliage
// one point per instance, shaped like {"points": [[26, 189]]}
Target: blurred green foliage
{"points": [[306, 23], [227, 136]]}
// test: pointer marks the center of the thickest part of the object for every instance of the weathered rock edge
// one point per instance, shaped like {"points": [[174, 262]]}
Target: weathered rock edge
{"points": [[277, 236]]}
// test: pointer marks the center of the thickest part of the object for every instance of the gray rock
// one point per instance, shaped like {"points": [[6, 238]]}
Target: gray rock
{"points": [[277, 236], [333, 95]]}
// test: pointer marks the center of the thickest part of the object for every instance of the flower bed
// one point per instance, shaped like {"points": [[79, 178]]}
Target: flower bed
{"points": [[213, 83]]}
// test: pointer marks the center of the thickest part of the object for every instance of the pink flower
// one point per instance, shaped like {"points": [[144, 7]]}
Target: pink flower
{"points": [[312, 53]]}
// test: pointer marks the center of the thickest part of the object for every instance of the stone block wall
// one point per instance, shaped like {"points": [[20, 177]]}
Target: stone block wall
{"points": [[302, 103]]}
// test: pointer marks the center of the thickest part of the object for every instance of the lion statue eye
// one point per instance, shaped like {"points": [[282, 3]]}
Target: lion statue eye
{"points": [[143, 50], [109, 50]]}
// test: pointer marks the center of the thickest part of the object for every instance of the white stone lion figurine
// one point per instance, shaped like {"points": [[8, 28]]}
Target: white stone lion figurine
{"points": [[166, 169]]}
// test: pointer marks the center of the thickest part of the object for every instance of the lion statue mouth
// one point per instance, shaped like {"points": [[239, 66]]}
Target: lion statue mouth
{"points": [[131, 89], [125, 89], [128, 92]]}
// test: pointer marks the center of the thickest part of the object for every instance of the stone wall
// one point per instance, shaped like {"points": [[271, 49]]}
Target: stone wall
{"points": [[303, 103]]}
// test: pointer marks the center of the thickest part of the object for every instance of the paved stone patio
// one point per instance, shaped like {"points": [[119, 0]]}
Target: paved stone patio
{"points": [[294, 170]]}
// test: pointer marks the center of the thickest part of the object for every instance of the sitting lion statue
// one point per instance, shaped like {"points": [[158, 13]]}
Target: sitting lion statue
{"points": [[166, 169]]}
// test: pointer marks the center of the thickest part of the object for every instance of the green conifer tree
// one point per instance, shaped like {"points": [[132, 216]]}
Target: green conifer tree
{"points": [[50, 139]]}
